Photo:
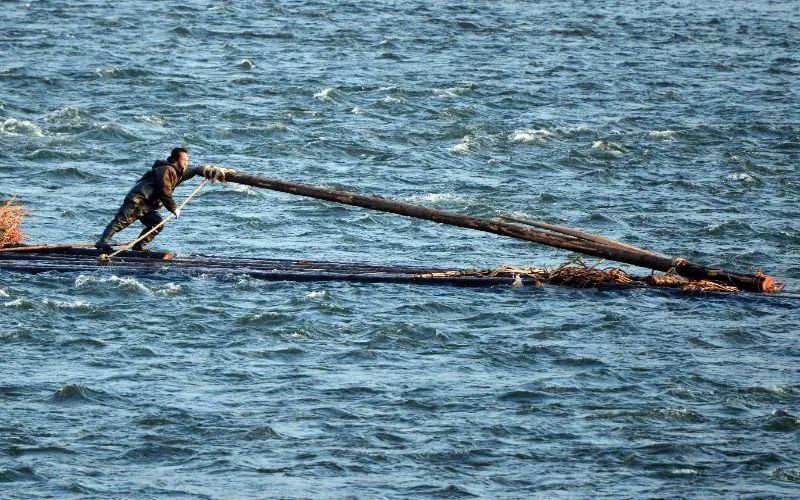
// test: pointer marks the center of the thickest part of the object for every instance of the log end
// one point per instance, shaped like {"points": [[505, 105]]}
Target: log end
{"points": [[766, 284]]}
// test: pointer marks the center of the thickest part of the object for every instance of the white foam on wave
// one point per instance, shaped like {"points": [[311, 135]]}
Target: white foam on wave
{"points": [[276, 127], [4, 293], [358, 110], [69, 114], [124, 283], [609, 147], [245, 282], [243, 189], [153, 120], [683, 472], [247, 64], [12, 126], [452, 92], [128, 284], [465, 146], [436, 198], [20, 302], [325, 95], [741, 177], [530, 135], [664, 134], [318, 295], [81, 281], [578, 129], [107, 72], [169, 290], [63, 304]]}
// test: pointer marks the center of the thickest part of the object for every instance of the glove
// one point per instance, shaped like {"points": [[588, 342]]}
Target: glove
{"points": [[214, 174], [177, 213]]}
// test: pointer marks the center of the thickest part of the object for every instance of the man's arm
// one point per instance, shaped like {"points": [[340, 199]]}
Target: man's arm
{"points": [[166, 179]]}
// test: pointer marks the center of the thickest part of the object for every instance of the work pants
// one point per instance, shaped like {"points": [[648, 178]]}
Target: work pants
{"points": [[133, 209]]}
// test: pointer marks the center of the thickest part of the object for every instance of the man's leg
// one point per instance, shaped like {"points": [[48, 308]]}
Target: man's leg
{"points": [[126, 215], [150, 220]]}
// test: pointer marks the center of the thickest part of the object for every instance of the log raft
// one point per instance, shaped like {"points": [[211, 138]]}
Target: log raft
{"points": [[66, 259], [595, 248]]}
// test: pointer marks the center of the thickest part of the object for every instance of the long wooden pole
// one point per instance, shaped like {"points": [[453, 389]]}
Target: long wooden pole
{"points": [[45, 248], [757, 283], [581, 235]]}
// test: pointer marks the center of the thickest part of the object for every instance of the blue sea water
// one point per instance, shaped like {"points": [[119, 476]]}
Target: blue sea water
{"points": [[671, 125]]}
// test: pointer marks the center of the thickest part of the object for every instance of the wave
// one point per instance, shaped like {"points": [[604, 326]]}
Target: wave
{"points": [[670, 135], [744, 178], [53, 154], [658, 414], [265, 318], [467, 144], [70, 118], [110, 132], [12, 126], [576, 31], [782, 421], [23, 473], [530, 135], [114, 72], [169, 290], [325, 95], [577, 130], [70, 173], [125, 284], [77, 393], [439, 199], [20, 303], [153, 120], [453, 92], [247, 64], [64, 304], [728, 226], [609, 147], [263, 432]]}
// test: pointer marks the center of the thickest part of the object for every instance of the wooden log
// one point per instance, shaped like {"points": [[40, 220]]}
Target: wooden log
{"points": [[672, 281], [43, 248], [757, 283], [583, 235], [81, 249]]}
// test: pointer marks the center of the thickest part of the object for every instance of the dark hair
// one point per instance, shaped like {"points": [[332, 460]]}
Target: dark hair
{"points": [[176, 153]]}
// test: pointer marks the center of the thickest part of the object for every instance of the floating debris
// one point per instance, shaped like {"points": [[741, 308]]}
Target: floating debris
{"points": [[11, 216]]}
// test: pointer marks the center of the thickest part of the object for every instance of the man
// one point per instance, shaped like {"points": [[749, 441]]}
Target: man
{"points": [[152, 191]]}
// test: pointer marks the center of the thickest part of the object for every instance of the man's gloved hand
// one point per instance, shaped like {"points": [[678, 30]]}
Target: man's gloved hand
{"points": [[177, 213], [215, 174]]}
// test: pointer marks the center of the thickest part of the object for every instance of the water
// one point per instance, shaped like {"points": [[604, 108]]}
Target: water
{"points": [[666, 124]]}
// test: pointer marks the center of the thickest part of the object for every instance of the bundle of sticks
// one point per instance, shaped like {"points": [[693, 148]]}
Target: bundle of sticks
{"points": [[11, 215]]}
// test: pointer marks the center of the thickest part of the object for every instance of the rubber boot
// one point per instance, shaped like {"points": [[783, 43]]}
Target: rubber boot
{"points": [[150, 220], [104, 243]]}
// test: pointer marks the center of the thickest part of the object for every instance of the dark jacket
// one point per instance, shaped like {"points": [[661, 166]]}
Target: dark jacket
{"points": [[155, 187]]}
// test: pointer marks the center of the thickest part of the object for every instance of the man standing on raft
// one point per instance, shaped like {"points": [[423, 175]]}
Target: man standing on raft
{"points": [[152, 191]]}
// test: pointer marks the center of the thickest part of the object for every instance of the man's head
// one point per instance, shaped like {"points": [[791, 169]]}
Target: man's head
{"points": [[179, 156]]}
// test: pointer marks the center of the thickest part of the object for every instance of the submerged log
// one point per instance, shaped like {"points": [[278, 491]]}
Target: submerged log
{"points": [[645, 259]]}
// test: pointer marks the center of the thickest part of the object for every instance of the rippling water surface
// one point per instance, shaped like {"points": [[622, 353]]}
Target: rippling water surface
{"points": [[665, 124]]}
